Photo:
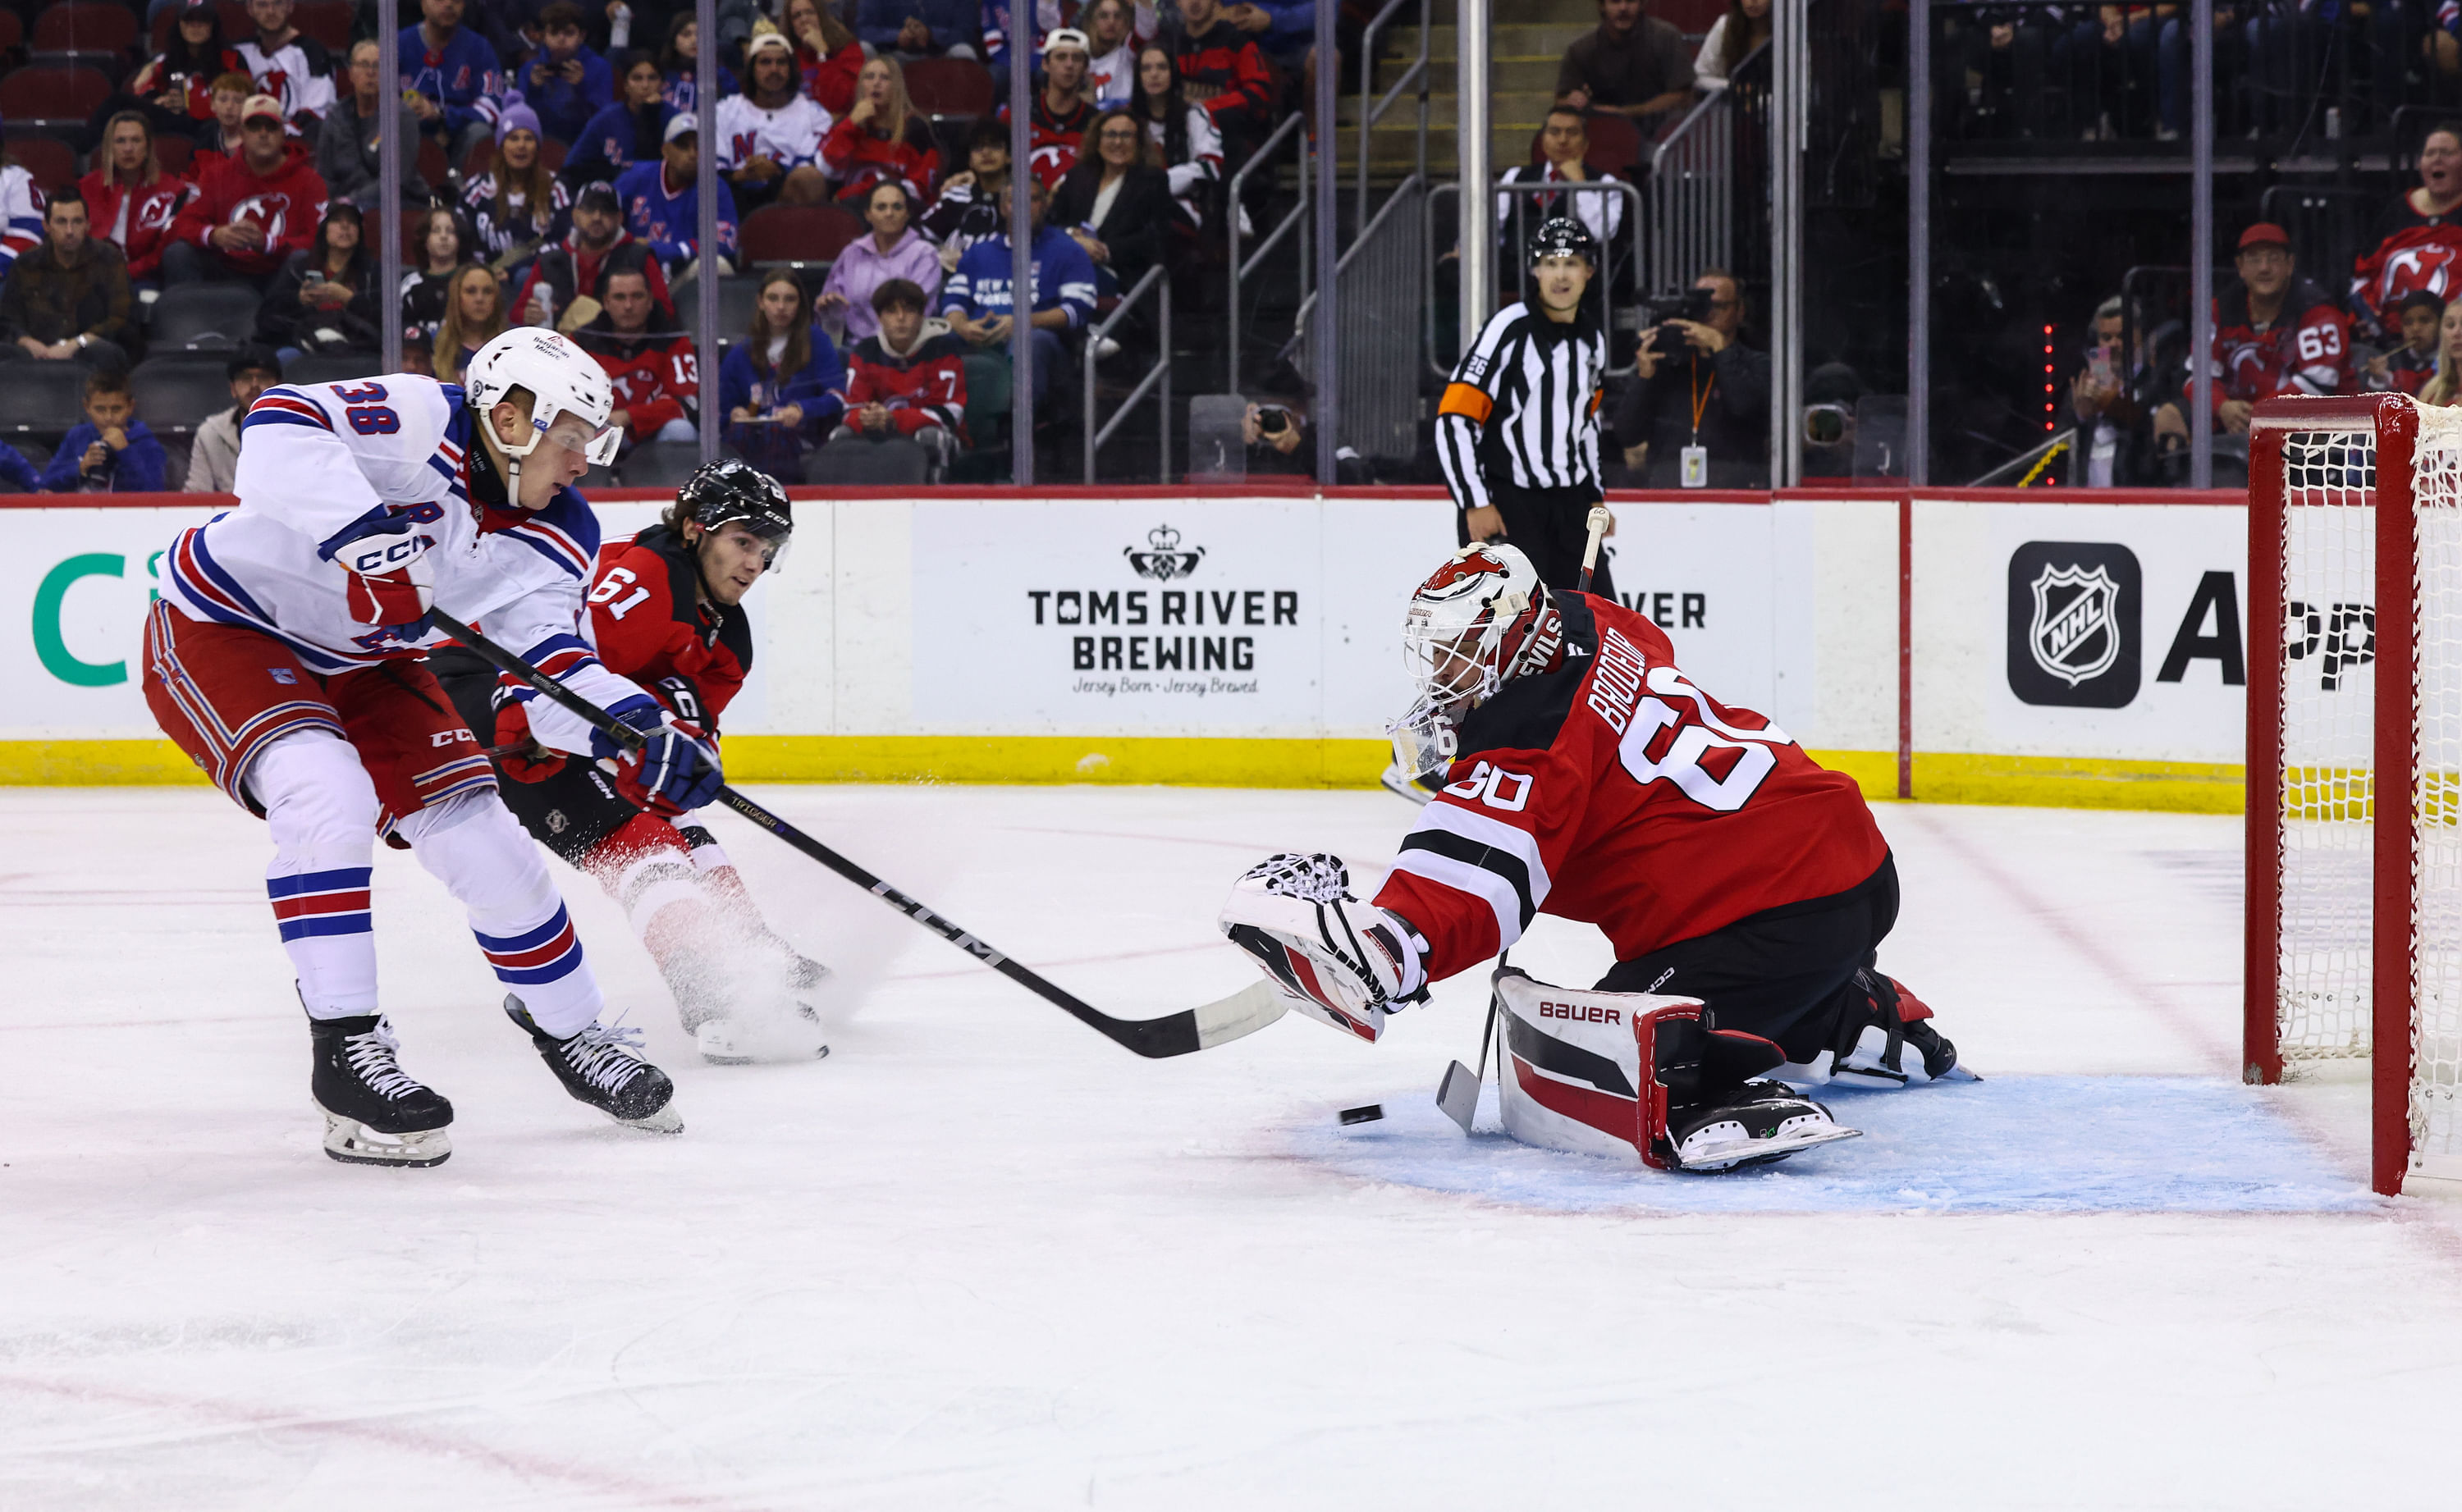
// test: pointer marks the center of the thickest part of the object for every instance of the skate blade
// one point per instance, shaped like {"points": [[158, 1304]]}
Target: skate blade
{"points": [[1737, 1153], [354, 1143], [666, 1120], [722, 1043]]}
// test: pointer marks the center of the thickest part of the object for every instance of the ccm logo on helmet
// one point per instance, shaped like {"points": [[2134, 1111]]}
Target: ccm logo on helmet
{"points": [[1584, 1012]]}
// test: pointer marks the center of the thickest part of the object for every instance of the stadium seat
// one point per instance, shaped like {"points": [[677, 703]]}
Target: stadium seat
{"points": [[660, 465], [950, 86], [173, 153], [51, 161], [735, 300], [483, 153], [798, 233], [113, 66], [86, 25], [45, 399], [327, 21], [987, 401], [894, 463], [52, 95], [431, 161], [1616, 146], [13, 30], [175, 394], [332, 367], [199, 316]]}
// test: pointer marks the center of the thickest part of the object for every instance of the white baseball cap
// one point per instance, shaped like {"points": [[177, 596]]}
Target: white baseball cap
{"points": [[1066, 36]]}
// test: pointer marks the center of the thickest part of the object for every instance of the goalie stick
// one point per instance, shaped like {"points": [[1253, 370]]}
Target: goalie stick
{"points": [[1600, 517], [1201, 1028]]}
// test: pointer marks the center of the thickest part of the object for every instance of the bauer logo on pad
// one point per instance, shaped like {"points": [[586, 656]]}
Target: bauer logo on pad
{"points": [[2074, 607]]}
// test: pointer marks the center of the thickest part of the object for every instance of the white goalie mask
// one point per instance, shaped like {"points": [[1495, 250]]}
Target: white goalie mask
{"points": [[1480, 619], [571, 399]]}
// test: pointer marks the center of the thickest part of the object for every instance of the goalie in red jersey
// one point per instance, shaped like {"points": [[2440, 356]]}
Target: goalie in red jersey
{"points": [[667, 604], [1589, 778]]}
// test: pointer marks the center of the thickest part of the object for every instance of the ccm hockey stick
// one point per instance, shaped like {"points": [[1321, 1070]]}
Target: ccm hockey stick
{"points": [[1243, 1013]]}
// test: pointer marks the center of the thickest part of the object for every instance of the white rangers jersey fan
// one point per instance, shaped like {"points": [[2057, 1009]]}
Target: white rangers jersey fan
{"points": [[790, 135]]}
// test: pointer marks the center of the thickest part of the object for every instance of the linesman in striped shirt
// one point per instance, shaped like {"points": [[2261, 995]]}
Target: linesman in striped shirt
{"points": [[1518, 431]]}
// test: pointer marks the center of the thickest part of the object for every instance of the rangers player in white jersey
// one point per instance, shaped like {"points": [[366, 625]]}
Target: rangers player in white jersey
{"points": [[283, 658]]}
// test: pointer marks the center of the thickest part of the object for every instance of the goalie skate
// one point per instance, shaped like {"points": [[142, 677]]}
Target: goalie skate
{"points": [[1766, 1121]]}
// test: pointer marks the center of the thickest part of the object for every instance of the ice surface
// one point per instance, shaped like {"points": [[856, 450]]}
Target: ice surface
{"points": [[2017, 1144], [982, 1257]]}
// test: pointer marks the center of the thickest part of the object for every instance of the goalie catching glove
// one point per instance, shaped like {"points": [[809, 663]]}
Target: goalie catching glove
{"points": [[1339, 960]]}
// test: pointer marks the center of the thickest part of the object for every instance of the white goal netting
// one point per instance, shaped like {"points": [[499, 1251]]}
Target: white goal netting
{"points": [[2330, 682], [2436, 855]]}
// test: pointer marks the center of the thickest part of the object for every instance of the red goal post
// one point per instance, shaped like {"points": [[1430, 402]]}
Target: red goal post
{"points": [[2354, 926]]}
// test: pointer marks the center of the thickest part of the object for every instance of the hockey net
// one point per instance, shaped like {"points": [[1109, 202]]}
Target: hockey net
{"points": [[2355, 762]]}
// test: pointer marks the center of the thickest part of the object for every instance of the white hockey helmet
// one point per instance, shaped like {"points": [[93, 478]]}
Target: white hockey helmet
{"points": [[1478, 620], [562, 380]]}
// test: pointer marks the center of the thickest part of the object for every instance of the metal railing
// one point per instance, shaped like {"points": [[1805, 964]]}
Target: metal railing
{"points": [[1291, 127], [1523, 193], [1371, 114], [1692, 194], [1379, 288], [1160, 374]]}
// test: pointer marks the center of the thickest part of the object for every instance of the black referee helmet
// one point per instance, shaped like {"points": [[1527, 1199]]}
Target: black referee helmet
{"points": [[1563, 236]]}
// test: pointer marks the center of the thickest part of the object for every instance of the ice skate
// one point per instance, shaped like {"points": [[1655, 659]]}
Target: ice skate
{"points": [[602, 1066], [375, 1112], [1761, 1121], [745, 1040]]}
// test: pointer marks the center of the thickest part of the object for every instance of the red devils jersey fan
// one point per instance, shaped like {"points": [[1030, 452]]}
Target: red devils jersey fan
{"points": [[2419, 248], [1589, 778], [650, 364], [2275, 331], [668, 604]]}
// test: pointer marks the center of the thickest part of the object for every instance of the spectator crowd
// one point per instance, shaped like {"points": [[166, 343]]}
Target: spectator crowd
{"points": [[549, 177]]}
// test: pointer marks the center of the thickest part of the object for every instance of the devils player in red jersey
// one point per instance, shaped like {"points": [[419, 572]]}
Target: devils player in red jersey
{"points": [[667, 604], [1589, 778]]}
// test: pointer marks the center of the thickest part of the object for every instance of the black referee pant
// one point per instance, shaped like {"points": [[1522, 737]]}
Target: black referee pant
{"points": [[1550, 525]]}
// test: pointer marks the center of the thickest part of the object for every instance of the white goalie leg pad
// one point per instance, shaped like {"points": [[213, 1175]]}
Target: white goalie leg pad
{"points": [[1340, 961]]}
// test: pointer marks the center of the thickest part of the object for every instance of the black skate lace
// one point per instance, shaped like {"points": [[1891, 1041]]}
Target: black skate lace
{"points": [[606, 1057], [371, 1060]]}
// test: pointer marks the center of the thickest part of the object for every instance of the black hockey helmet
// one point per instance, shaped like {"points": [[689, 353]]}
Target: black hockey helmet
{"points": [[1562, 234], [733, 491]]}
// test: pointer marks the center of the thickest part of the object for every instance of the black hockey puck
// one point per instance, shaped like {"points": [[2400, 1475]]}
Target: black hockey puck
{"points": [[1367, 1114]]}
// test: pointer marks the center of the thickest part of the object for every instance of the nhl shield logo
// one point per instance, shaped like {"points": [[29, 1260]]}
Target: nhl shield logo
{"points": [[1161, 559], [2076, 633], [2073, 624]]}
